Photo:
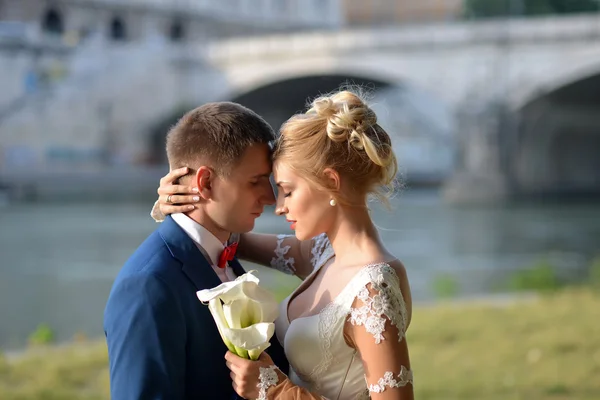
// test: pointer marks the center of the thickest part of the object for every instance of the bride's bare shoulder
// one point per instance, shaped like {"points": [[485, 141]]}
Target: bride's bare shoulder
{"points": [[403, 282], [400, 269]]}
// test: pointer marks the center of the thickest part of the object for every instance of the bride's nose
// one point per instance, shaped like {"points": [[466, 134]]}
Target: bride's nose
{"points": [[280, 208]]}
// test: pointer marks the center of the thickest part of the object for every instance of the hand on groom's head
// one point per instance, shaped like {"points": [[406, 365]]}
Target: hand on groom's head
{"points": [[174, 197]]}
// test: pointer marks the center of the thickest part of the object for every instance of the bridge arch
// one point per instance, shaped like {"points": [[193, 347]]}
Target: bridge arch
{"points": [[276, 101], [555, 141], [545, 84], [419, 123]]}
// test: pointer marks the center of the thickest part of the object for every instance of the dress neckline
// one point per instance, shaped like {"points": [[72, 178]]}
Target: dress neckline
{"points": [[311, 278], [304, 285]]}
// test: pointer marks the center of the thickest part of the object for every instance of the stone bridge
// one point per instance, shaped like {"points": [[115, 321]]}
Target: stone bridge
{"points": [[510, 105]]}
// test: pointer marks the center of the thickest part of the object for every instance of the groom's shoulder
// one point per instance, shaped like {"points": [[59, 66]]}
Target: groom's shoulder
{"points": [[152, 257]]}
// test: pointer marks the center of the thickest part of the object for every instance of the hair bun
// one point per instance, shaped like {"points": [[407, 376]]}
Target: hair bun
{"points": [[324, 107], [340, 131], [350, 124]]}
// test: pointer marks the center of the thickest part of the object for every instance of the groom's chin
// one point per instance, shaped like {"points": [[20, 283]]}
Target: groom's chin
{"points": [[247, 227]]}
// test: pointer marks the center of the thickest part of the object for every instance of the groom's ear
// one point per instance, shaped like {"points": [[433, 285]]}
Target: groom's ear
{"points": [[204, 181]]}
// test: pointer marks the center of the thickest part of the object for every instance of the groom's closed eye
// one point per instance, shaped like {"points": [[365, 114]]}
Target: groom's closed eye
{"points": [[259, 179]]}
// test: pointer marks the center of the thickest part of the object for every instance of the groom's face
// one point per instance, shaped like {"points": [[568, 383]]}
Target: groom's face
{"points": [[240, 198]]}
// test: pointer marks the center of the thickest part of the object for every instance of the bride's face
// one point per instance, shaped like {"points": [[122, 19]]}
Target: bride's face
{"points": [[306, 208]]}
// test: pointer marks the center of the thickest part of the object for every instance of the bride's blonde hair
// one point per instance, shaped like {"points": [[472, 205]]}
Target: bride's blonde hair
{"points": [[340, 131]]}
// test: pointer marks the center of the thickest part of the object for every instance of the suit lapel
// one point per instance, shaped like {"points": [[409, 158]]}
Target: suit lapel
{"points": [[237, 268], [195, 266]]}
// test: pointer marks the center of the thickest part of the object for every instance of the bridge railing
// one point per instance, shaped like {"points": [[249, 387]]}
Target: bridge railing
{"points": [[429, 36], [307, 13]]}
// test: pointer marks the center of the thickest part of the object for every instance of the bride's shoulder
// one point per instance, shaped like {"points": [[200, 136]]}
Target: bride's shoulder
{"points": [[390, 272], [399, 270], [388, 278]]}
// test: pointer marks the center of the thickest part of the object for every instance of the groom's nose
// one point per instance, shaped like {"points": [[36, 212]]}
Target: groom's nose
{"points": [[269, 195]]}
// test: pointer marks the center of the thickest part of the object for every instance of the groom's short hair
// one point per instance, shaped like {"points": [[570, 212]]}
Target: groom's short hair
{"points": [[217, 134]]}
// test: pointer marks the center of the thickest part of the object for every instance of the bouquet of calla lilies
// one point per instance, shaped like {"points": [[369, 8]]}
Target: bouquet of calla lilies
{"points": [[244, 313]]}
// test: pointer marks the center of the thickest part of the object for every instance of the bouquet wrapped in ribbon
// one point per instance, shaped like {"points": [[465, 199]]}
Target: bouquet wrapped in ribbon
{"points": [[244, 313]]}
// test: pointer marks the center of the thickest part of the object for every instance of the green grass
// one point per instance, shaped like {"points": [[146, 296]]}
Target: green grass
{"points": [[543, 349]]}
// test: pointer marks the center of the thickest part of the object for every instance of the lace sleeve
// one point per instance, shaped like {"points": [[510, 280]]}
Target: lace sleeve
{"points": [[273, 384], [377, 325], [282, 259], [156, 214], [285, 261], [284, 253], [320, 250]]}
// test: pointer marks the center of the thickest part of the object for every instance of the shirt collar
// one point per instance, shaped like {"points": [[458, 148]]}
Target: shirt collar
{"points": [[200, 235]]}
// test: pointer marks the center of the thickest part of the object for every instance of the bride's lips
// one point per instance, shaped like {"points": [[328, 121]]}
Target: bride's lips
{"points": [[292, 223]]}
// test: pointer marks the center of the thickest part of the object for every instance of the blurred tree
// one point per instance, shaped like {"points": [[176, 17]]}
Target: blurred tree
{"points": [[43, 334], [575, 6], [502, 8]]}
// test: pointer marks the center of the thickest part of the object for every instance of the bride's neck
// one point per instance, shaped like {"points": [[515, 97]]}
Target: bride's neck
{"points": [[353, 236]]}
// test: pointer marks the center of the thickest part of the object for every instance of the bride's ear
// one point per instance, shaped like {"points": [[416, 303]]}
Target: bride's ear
{"points": [[332, 178], [204, 181]]}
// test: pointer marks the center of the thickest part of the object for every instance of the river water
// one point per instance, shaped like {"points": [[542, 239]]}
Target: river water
{"points": [[58, 261]]}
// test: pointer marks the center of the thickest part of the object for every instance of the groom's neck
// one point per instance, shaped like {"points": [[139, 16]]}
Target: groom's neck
{"points": [[207, 223]]}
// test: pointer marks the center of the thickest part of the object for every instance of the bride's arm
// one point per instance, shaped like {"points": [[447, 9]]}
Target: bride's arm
{"points": [[379, 317], [282, 252], [262, 380]]}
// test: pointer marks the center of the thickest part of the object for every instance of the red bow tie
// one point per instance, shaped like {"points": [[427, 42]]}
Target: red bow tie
{"points": [[227, 254]]}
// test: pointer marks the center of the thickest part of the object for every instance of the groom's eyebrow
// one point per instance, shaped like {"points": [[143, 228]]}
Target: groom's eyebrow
{"points": [[268, 175]]}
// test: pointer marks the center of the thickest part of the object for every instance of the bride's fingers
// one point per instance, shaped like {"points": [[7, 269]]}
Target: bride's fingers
{"points": [[237, 389], [232, 367], [236, 370], [172, 176], [166, 210], [176, 189], [241, 388], [169, 200]]}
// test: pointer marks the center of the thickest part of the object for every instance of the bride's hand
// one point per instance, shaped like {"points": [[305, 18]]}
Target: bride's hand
{"points": [[245, 374], [175, 198]]}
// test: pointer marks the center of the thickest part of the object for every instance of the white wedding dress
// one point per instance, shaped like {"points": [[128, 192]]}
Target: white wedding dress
{"points": [[320, 359]]}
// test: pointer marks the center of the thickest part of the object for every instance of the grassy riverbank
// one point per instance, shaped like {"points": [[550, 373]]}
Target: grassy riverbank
{"points": [[547, 348]]}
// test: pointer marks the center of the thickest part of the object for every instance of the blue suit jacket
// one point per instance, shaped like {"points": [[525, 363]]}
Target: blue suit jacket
{"points": [[162, 342]]}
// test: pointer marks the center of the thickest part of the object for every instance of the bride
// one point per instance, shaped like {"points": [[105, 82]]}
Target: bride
{"points": [[344, 327]]}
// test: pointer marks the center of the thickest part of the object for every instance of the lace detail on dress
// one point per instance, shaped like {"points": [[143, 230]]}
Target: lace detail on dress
{"points": [[404, 378], [280, 262], [386, 302], [267, 377], [327, 319], [321, 250], [380, 276]]}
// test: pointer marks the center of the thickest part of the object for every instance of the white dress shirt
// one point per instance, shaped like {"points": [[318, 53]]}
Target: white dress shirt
{"points": [[207, 241]]}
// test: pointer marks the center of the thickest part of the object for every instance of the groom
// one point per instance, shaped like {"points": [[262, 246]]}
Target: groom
{"points": [[162, 342]]}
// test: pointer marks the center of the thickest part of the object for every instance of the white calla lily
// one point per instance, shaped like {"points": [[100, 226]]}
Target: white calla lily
{"points": [[244, 313], [209, 294]]}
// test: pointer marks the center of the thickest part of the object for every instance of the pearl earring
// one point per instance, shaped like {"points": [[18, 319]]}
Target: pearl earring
{"points": [[332, 202]]}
